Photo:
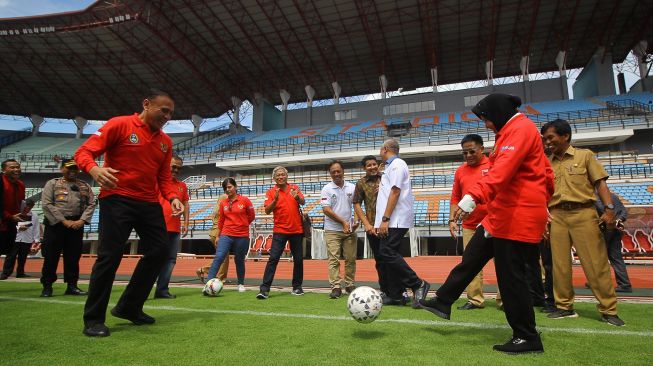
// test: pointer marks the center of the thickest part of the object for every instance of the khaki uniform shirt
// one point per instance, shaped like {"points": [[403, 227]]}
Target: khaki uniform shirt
{"points": [[576, 174], [215, 216], [366, 191], [62, 199]]}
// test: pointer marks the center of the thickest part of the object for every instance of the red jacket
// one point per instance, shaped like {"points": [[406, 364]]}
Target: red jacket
{"points": [[518, 185], [235, 217], [141, 156], [464, 178], [13, 196]]}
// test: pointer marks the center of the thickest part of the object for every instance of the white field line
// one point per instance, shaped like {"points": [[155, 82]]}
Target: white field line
{"points": [[346, 318]]}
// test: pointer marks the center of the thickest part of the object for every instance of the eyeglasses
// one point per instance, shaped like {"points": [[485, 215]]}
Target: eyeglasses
{"points": [[175, 167], [469, 152]]}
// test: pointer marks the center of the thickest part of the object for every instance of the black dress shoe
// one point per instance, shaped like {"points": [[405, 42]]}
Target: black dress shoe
{"points": [[75, 291], [165, 296], [23, 275], [47, 292], [387, 300], [3, 276], [436, 307], [138, 319], [623, 289], [469, 306], [420, 294], [517, 346], [96, 330]]}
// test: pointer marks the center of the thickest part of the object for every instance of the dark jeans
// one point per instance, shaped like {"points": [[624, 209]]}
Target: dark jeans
{"points": [[165, 273], [278, 243], [510, 258], [58, 239], [613, 242], [225, 244], [17, 252], [395, 264], [118, 216]]}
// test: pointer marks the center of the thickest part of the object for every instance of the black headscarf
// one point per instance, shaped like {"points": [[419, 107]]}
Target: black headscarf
{"points": [[497, 108]]}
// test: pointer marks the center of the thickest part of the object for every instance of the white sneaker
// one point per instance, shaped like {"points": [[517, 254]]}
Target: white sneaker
{"points": [[241, 288]]}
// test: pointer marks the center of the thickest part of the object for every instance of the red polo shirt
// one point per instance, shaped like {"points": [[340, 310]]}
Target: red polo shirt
{"points": [[13, 196], [286, 212], [173, 223], [235, 217], [465, 178], [142, 158]]}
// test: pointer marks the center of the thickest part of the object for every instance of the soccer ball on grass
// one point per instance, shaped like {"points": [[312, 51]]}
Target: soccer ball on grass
{"points": [[364, 304], [212, 287]]}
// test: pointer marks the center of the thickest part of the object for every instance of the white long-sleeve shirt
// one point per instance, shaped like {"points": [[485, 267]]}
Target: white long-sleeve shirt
{"points": [[33, 232]]}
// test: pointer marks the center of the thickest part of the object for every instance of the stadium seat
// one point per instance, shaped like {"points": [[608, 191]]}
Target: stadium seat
{"points": [[255, 249], [267, 244], [629, 245], [644, 241]]}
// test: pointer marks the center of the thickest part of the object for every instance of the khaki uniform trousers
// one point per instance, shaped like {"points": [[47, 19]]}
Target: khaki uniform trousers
{"points": [[580, 228], [338, 242]]}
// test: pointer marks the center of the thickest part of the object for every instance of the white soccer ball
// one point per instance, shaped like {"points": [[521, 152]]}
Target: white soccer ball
{"points": [[364, 304], [213, 287]]}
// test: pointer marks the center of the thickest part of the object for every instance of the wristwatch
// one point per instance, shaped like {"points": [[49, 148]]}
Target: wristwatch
{"points": [[385, 219], [609, 207]]}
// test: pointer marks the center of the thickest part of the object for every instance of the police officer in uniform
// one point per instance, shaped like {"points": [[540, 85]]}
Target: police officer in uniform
{"points": [[68, 203]]}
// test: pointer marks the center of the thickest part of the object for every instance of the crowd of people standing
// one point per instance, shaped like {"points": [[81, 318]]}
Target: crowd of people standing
{"points": [[525, 206]]}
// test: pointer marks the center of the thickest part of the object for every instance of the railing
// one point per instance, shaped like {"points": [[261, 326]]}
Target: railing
{"points": [[202, 137], [445, 133], [14, 137]]}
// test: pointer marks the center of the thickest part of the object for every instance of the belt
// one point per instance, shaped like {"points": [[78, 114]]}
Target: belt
{"points": [[570, 206], [72, 217]]}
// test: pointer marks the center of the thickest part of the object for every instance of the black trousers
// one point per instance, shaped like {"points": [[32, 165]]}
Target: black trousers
{"points": [[7, 238], [547, 263], [510, 258], [534, 278], [7, 241], [17, 253], [613, 242], [278, 244], [57, 239], [395, 264], [118, 216], [386, 282]]}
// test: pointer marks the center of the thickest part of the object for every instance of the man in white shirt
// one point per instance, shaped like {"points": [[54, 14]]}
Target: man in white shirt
{"points": [[28, 233], [394, 216], [339, 229]]}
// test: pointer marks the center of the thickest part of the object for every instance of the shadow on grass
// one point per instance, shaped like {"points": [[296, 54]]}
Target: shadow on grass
{"points": [[368, 334]]}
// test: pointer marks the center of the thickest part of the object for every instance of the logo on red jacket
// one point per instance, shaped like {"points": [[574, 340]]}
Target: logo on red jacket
{"points": [[164, 147], [133, 138], [484, 172]]}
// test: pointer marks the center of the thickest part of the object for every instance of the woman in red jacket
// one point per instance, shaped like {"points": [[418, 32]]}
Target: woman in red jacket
{"points": [[516, 191], [236, 213]]}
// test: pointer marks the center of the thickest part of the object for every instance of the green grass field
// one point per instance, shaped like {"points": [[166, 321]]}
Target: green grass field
{"points": [[236, 328]]}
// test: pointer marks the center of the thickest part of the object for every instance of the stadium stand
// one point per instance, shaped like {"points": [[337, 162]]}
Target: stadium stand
{"points": [[594, 114]]}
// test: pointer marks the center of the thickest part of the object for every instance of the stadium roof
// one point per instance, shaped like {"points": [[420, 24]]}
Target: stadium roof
{"points": [[98, 62]]}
